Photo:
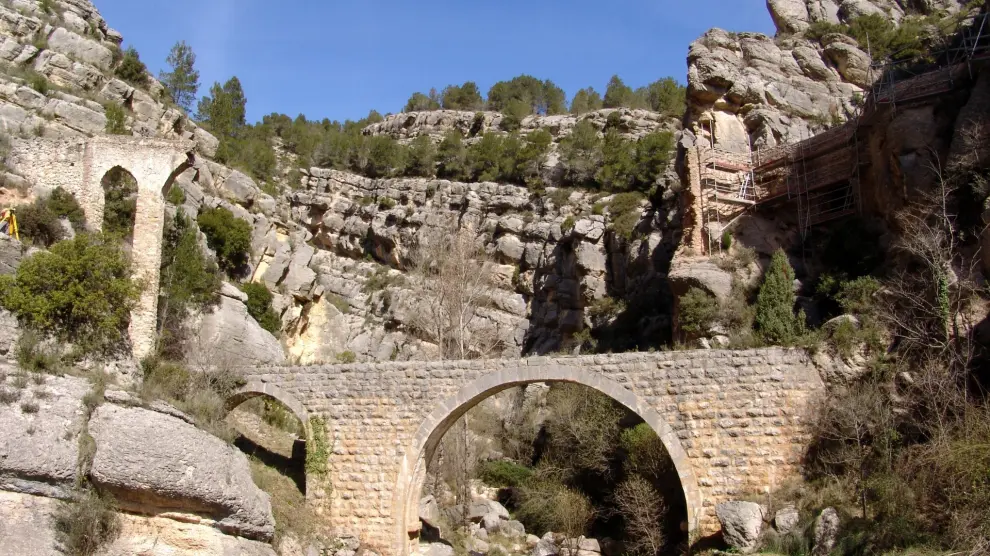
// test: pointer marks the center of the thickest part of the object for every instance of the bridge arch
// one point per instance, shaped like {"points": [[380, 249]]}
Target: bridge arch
{"points": [[412, 472], [254, 389]]}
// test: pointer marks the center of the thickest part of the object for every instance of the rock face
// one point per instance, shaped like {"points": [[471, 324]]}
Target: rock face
{"points": [[201, 504], [741, 524], [332, 301], [77, 54], [136, 451], [826, 532], [228, 334], [39, 454]]}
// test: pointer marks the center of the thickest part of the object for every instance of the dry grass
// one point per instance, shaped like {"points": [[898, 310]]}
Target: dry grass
{"points": [[292, 516]]}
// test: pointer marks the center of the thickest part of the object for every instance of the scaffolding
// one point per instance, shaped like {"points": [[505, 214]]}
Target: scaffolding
{"points": [[821, 175]]}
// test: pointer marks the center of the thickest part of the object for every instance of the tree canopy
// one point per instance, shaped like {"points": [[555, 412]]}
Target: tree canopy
{"points": [[182, 82]]}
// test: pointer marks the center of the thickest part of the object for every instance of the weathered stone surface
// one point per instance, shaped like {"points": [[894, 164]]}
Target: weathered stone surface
{"points": [[228, 333], [159, 536], [741, 524], [491, 522], [700, 273], [826, 532], [239, 188], [39, 451], [26, 527], [81, 48], [545, 548], [513, 528], [429, 511], [11, 253], [136, 457], [436, 549], [789, 15], [786, 519]]}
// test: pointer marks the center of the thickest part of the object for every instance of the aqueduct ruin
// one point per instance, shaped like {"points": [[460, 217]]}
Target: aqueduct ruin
{"points": [[733, 422], [78, 166]]}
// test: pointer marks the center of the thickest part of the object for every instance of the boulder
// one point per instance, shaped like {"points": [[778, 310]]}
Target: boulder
{"points": [[39, 454], [790, 16], [137, 451], [436, 549], [491, 522], [741, 524], [228, 334], [429, 511], [160, 536], [826, 532], [786, 519], [545, 547], [512, 528], [700, 273], [852, 63], [83, 49], [11, 253], [239, 188]]}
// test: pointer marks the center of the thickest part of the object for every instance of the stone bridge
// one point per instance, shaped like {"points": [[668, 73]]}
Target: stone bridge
{"points": [[79, 166], [732, 421]]}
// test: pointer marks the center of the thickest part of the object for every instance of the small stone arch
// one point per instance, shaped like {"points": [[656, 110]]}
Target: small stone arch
{"points": [[412, 470], [255, 389]]}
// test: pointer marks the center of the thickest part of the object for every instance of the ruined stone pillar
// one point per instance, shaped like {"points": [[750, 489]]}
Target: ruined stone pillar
{"points": [[146, 266]]}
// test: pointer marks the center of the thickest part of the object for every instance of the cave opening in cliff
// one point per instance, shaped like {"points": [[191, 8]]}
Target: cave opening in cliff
{"points": [[274, 439], [553, 458]]}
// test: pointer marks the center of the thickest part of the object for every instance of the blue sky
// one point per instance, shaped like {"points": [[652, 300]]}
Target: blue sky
{"points": [[326, 58]]}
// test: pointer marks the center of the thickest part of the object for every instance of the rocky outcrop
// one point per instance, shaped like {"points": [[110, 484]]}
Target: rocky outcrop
{"points": [[228, 334], [546, 273], [206, 502], [136, 451], [435, 124], [749, 91], [741, 523], [39, 454], [78, 53]]}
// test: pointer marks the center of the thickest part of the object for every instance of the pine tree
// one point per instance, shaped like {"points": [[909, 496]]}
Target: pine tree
{"points": [[182, 82], [586, 100], [775, 319], [618, 94]]}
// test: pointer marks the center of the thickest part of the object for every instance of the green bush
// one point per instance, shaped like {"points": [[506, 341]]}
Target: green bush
{"points": [[65, 205], [39, 221], [116, 120], [39, 83], [581, 154], [727, 239], [503, 473], [32, 356], [176, 196], [166, 379], [259, 306], [228, 236], [120, 191], [189, 281], [132, 69], [625, 211], [697, 312], [452, 157], [421, 159], [346, 357], [87, 524], [645, 453], [80, 291], [775, 318]]}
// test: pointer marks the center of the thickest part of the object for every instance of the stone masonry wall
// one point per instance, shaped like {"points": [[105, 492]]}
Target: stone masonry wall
{"points": [[733, 421], [79, 166]]}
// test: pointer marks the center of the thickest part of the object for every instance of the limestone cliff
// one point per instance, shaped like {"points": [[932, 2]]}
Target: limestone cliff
{"points": [[749, 91]]}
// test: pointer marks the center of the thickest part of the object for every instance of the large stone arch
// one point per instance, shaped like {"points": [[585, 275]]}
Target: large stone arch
{"points": [[254, 389], [79, 165], [412, 470]]}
